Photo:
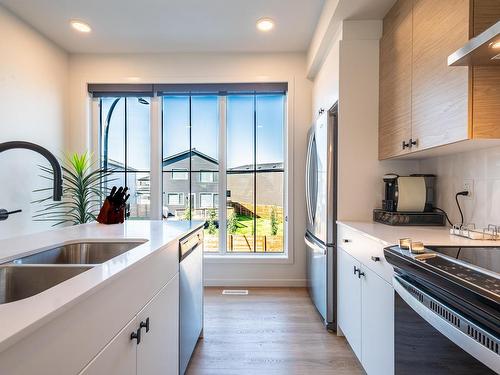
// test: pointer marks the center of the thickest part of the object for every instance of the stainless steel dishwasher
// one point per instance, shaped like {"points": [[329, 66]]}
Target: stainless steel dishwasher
{"points": [[190, 295]]}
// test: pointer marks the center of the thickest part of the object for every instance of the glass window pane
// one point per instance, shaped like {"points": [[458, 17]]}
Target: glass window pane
{"points": [[138, 134], [240, 132], [269, 210], [140, 193], [113, 133], [175, 132], [204, 132], [270, 127], [240, 212]]}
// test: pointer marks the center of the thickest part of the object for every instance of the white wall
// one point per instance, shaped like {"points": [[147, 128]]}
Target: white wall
{"points": [[217, 67], [483, 167], [33, 94], [350, 75]]}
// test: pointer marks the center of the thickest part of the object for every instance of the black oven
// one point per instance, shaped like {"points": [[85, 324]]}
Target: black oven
{"points": [[432, 338], [446, 318]]}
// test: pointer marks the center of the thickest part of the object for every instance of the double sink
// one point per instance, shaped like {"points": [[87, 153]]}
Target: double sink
{"points": [[24, 277]]}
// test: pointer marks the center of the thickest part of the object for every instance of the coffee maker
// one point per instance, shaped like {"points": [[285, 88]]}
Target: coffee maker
{"points": [[409, 200]]}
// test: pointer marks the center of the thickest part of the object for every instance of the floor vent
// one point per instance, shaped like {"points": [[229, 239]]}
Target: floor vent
{"points": [[235, 292]]}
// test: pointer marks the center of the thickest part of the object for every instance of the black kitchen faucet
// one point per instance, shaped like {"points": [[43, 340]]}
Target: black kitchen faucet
{"points": [[56, 167]]}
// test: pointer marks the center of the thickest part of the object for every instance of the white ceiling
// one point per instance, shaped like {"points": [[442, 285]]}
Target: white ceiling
{"points": [[132, 26]]}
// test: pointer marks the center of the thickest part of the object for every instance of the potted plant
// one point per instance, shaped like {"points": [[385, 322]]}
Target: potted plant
{"points": [[82, 192]]}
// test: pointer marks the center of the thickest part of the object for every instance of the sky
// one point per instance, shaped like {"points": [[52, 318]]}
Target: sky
{"points": [[204, 131]]}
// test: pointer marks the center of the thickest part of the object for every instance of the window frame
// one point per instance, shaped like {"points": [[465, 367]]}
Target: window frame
{"points": [[287, 257]]}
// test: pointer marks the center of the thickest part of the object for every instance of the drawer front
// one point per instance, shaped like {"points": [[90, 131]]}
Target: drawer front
{"points": [[369, 252]]}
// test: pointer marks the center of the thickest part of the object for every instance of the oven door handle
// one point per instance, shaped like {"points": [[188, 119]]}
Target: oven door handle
{"points": [[417, 301]]}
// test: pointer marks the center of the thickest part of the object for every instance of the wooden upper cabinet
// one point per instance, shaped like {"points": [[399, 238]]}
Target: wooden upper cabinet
{"points": [[395, 80], [439, 92], [485, 79], [421, 97]]}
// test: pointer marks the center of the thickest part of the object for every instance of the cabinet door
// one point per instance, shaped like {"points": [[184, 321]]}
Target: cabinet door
{"points": [[395, 80], [377, 320], [158, 352], [118, 357], [439, 92], [349, 300]]}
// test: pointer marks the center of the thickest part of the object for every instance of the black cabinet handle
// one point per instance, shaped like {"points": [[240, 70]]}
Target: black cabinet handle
{"points": [[413, 142], [136, 336], [360, 273], [405, 145], [375, 259], [356, 269], [145, 325], [346, 240]]}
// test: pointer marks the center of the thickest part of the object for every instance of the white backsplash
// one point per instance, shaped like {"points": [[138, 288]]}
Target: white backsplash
{"points": [[483, 167]]}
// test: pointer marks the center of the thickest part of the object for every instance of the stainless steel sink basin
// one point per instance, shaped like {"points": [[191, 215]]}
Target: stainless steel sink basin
{"points": [[19, 282], [80, 253]]}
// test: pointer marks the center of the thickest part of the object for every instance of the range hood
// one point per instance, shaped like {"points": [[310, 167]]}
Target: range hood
{"points": [[483, 49]]}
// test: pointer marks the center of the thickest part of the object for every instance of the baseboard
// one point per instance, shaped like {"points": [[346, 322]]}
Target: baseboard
{"points": [[256, 282]]}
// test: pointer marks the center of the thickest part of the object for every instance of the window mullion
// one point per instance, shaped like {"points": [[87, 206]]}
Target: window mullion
{"points": [[156, 179], [222, 185]]}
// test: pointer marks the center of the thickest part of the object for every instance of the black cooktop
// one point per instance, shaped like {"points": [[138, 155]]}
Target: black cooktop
{"points": [[466, 273], [468, 278]]}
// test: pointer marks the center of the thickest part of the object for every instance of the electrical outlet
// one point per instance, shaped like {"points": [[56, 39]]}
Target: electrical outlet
{"points": [[468, 185]]}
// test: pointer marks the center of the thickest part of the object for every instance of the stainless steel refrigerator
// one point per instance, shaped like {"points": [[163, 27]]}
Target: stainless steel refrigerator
{"points": [[321, 207]]}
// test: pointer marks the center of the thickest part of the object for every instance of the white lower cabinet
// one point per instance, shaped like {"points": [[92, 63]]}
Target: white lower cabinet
{"points": [[366, 314], [148, 344], [377, 321], [349, 295], [158, 352]]}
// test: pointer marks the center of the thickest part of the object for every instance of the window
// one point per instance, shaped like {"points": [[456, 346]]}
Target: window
{"points": [[255, 173], [125, 149], [179, 174], [223, 145], [253, 220], [207, 177], [175, 199], [206, 200]]}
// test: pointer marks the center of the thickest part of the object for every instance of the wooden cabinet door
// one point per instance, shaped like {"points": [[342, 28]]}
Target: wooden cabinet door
{"points": [[118, 357], [439, 92], [377, 321], [158, 352], [395, 80], [349, 300]]}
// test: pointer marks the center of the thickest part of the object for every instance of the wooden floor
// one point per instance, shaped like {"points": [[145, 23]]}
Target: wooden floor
{"points": [[272, 331]]}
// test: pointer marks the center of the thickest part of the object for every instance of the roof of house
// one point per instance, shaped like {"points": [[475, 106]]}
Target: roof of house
{"points": [[185, 154]]}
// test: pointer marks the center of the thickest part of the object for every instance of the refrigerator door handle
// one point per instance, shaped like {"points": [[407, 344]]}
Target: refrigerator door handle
{"points": [[308, 171], [314, 246]]}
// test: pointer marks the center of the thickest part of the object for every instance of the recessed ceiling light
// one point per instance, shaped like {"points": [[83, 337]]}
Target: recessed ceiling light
{"points": [[80, 26], [265, 24], [495, 45]]}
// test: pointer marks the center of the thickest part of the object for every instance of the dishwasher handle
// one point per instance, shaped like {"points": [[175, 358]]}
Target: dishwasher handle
{"points": [[188, 244]]}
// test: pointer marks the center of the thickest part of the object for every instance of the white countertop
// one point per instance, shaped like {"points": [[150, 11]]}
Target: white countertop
{"points": [[21, 317], [430, 236]]}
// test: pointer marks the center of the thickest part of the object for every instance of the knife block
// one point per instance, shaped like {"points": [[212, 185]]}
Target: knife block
{"points": [[111, 213]]}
